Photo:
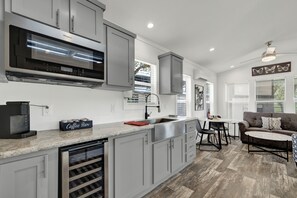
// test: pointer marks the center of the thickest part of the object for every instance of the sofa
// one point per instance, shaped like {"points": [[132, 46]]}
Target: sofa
{"points": [[252, 121]]}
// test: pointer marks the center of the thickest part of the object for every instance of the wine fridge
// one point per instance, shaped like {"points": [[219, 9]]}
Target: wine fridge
{"points": [[83, 170]]}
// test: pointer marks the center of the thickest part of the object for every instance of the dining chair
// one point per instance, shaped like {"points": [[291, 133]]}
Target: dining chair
{"points": [[220, 127], [207, 132]]}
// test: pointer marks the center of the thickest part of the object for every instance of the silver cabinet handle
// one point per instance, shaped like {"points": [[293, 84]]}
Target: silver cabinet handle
{"points": [[45, 166], [58, 18], [72, 24], [131, 80], [172, 143], [146, 138]]}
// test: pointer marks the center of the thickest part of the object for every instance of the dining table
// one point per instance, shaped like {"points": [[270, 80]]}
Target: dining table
{"points": [[219, 124]]}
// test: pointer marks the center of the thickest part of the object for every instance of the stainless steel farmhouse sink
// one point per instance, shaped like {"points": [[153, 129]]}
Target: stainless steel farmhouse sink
{"points": [[166, 128], [160, 120]]}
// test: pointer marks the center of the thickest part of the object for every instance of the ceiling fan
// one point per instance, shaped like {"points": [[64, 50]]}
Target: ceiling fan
{"points": [[269, 55]]}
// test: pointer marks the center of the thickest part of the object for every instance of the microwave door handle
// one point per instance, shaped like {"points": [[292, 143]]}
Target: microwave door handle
{"points": [[86, 146]]}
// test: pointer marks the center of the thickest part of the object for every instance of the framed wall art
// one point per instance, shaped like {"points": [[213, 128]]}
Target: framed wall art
{"points": [[199, 98], [271, 69]]}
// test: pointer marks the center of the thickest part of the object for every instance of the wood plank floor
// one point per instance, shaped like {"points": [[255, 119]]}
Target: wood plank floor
{"points": [[232, 172]]}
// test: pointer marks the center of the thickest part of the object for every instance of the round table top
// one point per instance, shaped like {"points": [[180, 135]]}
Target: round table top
{"points": [[268, 136]]}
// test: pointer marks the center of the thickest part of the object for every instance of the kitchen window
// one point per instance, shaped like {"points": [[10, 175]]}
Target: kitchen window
{"points": [[270, 95], [209, 97], [295, 93], [183, 101], [145, 82]]}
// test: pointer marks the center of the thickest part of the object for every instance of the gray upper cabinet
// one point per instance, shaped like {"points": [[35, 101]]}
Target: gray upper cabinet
{"points": [[131, 165], [81, 17], [120, 56], [170, 73], [43, 11], [31, 177], [86, 18]]}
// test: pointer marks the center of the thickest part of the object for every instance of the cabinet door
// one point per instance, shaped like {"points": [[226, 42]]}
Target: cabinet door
{"points": [[25, 178], [177, 153], [120, 58], [161, 160], [176, 75], [131, 165], [44, 11], [86, 19]]}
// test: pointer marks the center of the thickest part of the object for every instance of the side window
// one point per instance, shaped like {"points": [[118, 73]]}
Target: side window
{"points": [[145, 82]]}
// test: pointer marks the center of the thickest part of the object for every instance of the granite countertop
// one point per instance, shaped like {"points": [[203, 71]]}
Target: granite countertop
{"points": [[45, 140]]}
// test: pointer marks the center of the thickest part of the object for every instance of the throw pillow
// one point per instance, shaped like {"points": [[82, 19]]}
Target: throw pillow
{"points": [[271, 123], [265, 122], [275, 124]]}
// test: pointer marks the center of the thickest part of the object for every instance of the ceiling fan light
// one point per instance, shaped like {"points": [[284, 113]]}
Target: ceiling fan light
{"points": [[268, 57]]}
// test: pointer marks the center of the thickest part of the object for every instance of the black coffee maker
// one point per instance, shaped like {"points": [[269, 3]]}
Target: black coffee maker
{"points": [[15, 120]]}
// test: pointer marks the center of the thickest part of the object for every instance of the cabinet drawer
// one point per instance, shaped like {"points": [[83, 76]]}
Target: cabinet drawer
{"points": [[190, 156], [190, 146], [191, 136], [190, 126]]}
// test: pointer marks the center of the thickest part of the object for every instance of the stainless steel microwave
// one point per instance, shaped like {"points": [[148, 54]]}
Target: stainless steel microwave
{"points": [[35, 52]]}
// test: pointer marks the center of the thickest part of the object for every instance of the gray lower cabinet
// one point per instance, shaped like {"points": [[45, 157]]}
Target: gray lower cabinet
{"points": [[131, 165], [177, 153], [161, 160], [168, 157], [190, 141], [44, 11], [31, 177], [86, 19], [120, 56]]}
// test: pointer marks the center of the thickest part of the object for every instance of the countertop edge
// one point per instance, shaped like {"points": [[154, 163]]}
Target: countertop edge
{"points": [[17, 147]]}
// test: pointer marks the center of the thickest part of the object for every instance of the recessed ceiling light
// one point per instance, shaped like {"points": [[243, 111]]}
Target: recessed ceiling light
{"points": [[150, 25], [212, 49], [232, 66]]}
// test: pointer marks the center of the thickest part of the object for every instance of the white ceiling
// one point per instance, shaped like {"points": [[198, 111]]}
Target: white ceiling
{"points": [[237, 29]]}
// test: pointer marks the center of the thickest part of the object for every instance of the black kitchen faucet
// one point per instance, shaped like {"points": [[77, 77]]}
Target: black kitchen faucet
{"points": [[146, 115]]}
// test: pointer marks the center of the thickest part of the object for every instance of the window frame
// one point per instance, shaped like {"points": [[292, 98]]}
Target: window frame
{"points": [[188, 100], [211, 96], [294, 97], [153, 85], [230, 102], [271, 101]]}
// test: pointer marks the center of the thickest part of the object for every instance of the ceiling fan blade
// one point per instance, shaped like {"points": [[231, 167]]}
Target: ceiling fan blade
{"points": [[286, 53], [250, 60], [270, 50]]}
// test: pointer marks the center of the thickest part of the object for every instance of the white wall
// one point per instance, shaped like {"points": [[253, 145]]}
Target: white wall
{"points": [[244, 75]]}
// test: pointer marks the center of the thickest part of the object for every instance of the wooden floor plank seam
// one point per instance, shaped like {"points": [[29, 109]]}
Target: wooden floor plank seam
{"points": [[232, 173]]}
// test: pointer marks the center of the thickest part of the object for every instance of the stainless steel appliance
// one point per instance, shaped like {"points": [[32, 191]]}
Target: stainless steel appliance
{"points": [[83, 170], [15, 120], [35, 52]]}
